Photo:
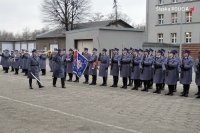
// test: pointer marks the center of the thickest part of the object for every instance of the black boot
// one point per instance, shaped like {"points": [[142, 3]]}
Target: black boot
{"points": [[199, 92], [54, 81], [86, 79], [39, 84], [184, 91], [93, 80], [157, 88], [30, 84], [171, 90], [77, 79], [63, 82], [70, 77]]}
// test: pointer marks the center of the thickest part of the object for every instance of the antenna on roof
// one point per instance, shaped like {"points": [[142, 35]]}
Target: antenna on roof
{"points": [[115, 6]]}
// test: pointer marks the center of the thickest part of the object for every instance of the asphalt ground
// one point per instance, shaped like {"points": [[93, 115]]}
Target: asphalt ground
{"points": [[92, 109]]}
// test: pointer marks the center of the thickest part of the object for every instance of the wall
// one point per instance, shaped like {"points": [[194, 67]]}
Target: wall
{"points": [[42, 43], [106, 38], [167, 28]]}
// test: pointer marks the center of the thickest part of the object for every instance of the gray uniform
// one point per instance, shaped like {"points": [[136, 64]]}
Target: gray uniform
{"points": [[42, 61], [5, 59], [135, 70], [70, 63], [115, 65], [59, 69], [33, 67], [105, 61], [25, 61], [87, 56], [146, 68], [171, 66], [158, 74], [125, 61], [186, 70], [197, 71], [16, 62], [93, 65]]}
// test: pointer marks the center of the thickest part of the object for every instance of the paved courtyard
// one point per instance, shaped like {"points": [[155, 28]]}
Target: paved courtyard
{"points": [[92, 109]]}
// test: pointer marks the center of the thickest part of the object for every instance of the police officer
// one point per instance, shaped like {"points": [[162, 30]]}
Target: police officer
{"points": [[146, 70], [25, 62], [135, 70], [86, 73], [186, 72], [11, 60], [34, 69], [170, 66], [179, 68], [93, 66], [164, 58], [114, 70], [51, 61], [5, 60], [151, 54], [125, 61], [16, 62], [131, 56], [42, 61], [59, 69], [158, 74], [70, 60], [197, 74], [104, 64]]}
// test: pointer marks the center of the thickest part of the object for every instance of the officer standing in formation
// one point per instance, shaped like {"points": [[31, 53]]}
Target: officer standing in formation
{"points": [[16, 62], [5, 60], [135, 70], [93, 66], [104, 64], [114, 70], [59, 68], [86, 73], [186, 66], [42, 61], [124, 63]]}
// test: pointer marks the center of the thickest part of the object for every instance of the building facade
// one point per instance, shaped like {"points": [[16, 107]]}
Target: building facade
{"points": [[173, 21], [18, 45], [105, 37]]}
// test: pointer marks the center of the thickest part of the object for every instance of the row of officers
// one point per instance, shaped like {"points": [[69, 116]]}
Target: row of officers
{"points": [[137, 66]]}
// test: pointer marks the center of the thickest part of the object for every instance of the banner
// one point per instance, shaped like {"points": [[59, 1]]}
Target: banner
{"points": [[80, 64]]}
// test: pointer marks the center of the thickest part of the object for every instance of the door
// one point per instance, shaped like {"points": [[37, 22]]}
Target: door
{"points": [[24, 46], [53, 46], [17, 46], [7, 45], [31, 46], [81, 44]]}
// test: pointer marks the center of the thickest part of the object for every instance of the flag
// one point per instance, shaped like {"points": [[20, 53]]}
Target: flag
{"points": [[80, 64], [192, 9]]}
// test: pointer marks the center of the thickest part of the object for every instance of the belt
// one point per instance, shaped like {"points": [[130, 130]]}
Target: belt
{"points": [[34, 65]]}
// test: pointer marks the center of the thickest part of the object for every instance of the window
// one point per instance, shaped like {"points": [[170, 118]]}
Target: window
{"points": [[160, 37], [160, 18], [188, 17], [160, 2], [173, 37], [174, 18], [174, 1], [188, 37]]}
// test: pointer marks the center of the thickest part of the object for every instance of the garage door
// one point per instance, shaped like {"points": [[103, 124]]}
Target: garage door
{"points": [[53, 46], [17, 46], [8, 46], [85, 44], [24, 46], [31, 46]]}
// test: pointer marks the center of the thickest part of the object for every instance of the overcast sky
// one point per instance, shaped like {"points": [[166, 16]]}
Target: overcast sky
{"points": [[15, 15]]}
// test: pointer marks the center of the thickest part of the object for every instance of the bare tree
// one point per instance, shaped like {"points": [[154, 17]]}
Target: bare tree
{"points": [[97, 17], [65, 12], [120, 15]]}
